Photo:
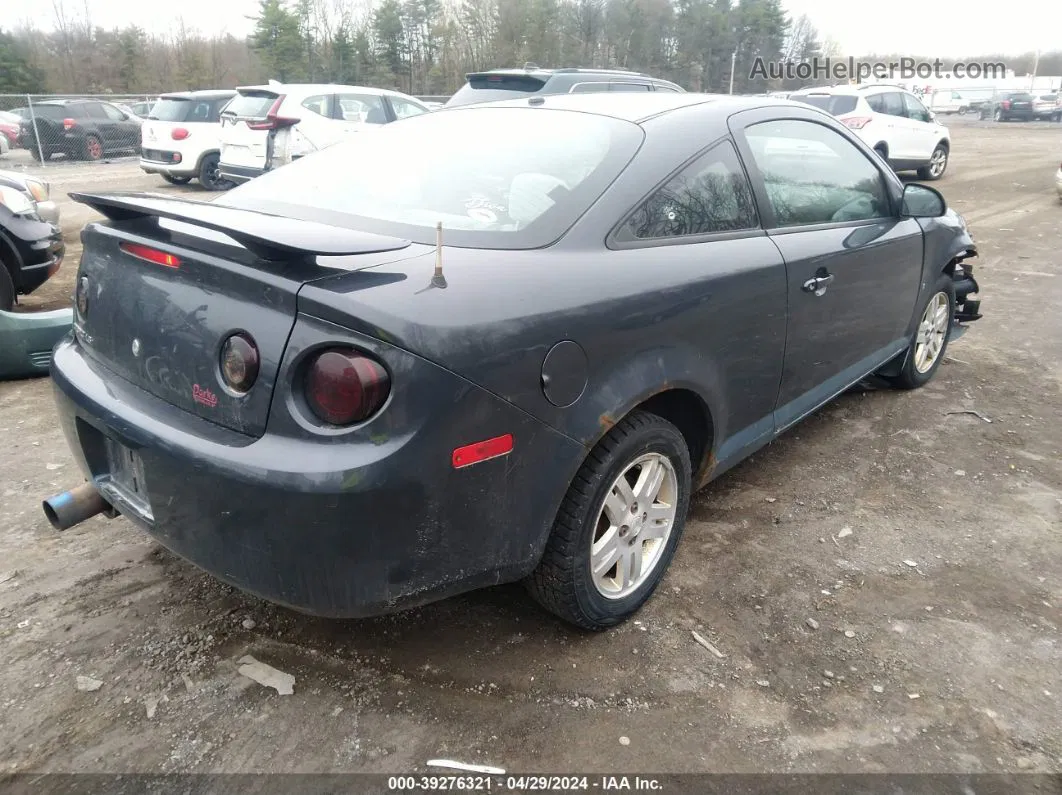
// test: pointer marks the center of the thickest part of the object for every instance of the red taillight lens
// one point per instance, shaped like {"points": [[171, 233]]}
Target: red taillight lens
{"points": [[344, 386], [150, 254], [239, 363], [857, 122], [69, 124], [1006, 104], [272, 121], [179, 133]]}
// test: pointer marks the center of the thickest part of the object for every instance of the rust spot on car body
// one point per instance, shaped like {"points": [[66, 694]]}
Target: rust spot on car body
{"points": [[606, 421], [703, 473]]}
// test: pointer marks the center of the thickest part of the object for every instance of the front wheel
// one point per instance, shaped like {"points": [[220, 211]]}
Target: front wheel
{"points": [[930, 341], [170, 178], [618, 526], [938, 162]]}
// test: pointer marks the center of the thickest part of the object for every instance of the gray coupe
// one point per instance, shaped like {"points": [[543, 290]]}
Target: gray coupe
{"points": [[495, 343]]}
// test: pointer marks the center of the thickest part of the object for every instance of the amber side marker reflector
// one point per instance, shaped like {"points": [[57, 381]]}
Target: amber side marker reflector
{"points": [[150, 254], [483, 451]]}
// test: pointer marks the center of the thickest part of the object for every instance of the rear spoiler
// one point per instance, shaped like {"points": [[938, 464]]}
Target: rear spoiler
{"points": [[270, 237]]}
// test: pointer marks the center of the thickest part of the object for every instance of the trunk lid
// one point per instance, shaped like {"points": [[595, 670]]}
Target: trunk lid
{"points": [[161, 325], [240, 144]]}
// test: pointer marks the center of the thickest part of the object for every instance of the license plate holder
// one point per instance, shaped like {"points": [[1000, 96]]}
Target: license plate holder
{"points": [[126, 477]]}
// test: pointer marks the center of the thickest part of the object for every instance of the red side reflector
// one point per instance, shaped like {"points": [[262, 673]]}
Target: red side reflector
{"points": [[150, 254], [483, 451]]}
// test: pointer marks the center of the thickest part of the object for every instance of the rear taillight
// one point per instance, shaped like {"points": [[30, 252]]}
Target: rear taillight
{"points": [[179, 133], [1006, 104], [69, 124], [856, 122], [344, 386], [272, 121], [150, 254], [239, 363], [81, 297]]}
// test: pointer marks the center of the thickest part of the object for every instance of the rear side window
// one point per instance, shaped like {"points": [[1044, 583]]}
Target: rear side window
{"points": [[831, 103], [662, 87], [178, 109], [712, 195], [628, 86], [589, 88], [93, 110], [491, 88], [403, 108], [112, 113], [251, 106], [47, 112], [361, 108]]}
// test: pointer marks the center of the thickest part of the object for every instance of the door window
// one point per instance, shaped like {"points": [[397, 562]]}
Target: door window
{"points": [[321, 104], [628, 86], [711, 195], [404, 108], [112, 112], [588, 88], [361, 108], [915, 109], [893, 104], [813, 175], [93, 110]]}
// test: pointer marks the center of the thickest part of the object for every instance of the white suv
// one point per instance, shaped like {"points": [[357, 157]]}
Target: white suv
{"points": [[265, 127], [180, 137], [891, 121]]}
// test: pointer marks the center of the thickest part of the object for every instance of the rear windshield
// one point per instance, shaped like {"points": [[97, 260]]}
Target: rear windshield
{"points": [[511, 178], [491, 88], [186, 109], [831, 103], [1020, 97], [251, 105]]}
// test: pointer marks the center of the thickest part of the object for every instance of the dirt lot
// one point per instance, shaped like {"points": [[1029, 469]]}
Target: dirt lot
{"points": [[925, 543]]}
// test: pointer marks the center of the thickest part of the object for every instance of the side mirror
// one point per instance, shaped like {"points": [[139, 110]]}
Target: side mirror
{"points": [[921, 201], [932, 115]]}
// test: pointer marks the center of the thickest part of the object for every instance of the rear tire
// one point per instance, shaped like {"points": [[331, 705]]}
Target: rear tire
{"points": [[929, 344], [210, 174], [998, 116], [176, 180], [645, 458], [92, 148], [36, 155], [7, 286]]}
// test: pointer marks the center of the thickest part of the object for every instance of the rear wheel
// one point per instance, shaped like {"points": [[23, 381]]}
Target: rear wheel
{"points": [[998, 115], [170, 178], [210, 174], [930, 341], [36, 154], [618, 526], [93, 148]]}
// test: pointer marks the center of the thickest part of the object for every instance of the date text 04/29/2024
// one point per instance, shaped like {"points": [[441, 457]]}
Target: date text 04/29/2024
{"points": [[532, 783]]}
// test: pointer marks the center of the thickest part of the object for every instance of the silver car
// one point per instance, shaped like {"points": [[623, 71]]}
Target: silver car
{"points": [[38, 191]]}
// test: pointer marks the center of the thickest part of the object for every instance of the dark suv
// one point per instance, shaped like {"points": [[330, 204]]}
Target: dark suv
{"points": [[498, 84], [85, 129]]}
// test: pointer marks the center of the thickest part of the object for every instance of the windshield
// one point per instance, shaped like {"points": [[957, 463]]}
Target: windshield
{"points": [[495, 177], [491, 88], [831, 103]]}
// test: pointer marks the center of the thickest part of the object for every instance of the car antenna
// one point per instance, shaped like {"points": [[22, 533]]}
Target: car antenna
{"points": [[437, 279]]}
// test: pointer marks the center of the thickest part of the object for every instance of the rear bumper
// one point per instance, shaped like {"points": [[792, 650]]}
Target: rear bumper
{"points": [[342, 530], [27, 339], [187, 168], [239, 174]]}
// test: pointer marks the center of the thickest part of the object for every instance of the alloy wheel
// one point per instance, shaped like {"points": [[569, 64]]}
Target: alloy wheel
{"points": [[932, 330], [634, 525]]}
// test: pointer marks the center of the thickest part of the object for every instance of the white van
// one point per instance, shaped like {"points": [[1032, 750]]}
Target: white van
{"points": [[265, 127], [180, 138]]}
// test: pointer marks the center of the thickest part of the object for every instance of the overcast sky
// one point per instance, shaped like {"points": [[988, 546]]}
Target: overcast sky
{"points": [[915, 27]]}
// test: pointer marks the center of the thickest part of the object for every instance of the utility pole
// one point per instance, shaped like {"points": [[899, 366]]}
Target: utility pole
{"points": [[733, 62], [1036, 65]]}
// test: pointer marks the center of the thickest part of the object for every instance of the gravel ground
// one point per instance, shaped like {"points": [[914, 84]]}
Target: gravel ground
{"points": [[883, 583]]}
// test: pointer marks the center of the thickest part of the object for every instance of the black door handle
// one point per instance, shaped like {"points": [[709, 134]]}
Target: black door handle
{"points": [[817, 285]]}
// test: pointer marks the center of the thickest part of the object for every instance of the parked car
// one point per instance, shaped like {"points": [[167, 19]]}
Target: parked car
{"points": [[265, 127], [27, 339], [1013, 105], [84, 129], [1047, 107], [37, 190], [9, 127], [182, 138], [31, 249], [618, 312], [532, 80], [892, 121], [1058, 182]]}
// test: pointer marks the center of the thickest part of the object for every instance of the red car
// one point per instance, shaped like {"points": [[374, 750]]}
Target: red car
{"points": [[9, 124]]}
